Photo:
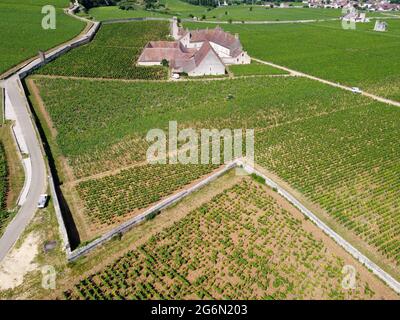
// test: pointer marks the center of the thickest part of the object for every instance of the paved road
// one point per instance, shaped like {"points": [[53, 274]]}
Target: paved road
{"points": [[38, 179], [333, 84]]}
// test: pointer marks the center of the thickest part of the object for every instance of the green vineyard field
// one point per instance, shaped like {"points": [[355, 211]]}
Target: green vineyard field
{"points": [[112, 53], [109, 199], [242, 244]]}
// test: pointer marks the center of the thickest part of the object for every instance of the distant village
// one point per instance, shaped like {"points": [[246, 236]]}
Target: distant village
{"points": [[370, 5]]}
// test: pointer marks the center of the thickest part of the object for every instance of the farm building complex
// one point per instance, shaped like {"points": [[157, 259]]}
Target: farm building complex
{"points": [[197, 53]]}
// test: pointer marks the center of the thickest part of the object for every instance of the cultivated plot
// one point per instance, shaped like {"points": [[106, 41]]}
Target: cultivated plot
{"points": [[25, 35], [113, 53]]}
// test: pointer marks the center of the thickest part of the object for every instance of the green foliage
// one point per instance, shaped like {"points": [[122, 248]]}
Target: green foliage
{"points": [[273, 257], [112, 197], [368, 60], [338, 149], [4, 215], [258, 178], [113, 53]]}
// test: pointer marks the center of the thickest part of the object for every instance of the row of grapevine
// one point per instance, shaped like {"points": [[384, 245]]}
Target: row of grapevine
{"points": [[347, 163], [240, 245], [112, 54], [109, 199], [4, 215]]}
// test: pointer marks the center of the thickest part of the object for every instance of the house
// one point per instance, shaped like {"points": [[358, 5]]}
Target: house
{"points": [[197, 53], [354, 16], [380, 26]]}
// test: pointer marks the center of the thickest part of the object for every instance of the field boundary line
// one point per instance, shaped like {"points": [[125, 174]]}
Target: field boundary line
{"points": [[379, 272], [331, 83]]}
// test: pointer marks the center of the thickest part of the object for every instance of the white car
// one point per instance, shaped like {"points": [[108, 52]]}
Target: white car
{"points": [[355, 90], [175, 76], [42, 201]]}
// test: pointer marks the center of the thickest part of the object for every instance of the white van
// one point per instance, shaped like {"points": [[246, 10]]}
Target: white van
{"points": [[42, 201]]}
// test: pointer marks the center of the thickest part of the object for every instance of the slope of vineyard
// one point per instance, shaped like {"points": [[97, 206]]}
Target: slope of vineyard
{"points": [[112, 199], [347, 163], [112, 53], [337, 148], [359, 57], [243, 244], [3, 188]]}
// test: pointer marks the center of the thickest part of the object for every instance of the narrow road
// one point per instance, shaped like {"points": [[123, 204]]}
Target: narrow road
{"points": [[38, 173], [35, 178], [333, 84]]}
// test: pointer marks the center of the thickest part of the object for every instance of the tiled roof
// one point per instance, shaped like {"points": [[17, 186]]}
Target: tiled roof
{"points": [[156, 51], [217, 36]]}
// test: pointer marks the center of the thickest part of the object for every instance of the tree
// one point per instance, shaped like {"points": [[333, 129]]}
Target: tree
{"points": [[164, 63]]}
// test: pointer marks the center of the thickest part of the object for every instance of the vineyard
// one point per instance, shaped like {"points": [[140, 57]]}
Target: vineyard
{"points": [[347, 163], [368, 59], [3, 189], [112, 53], [254, 68], [242, 244], [338, 149], [25, 36], [234, 13], [98, 128], [112, 199]]}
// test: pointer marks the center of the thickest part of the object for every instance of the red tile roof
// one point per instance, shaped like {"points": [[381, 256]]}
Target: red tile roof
{"points": [[217, 36]]}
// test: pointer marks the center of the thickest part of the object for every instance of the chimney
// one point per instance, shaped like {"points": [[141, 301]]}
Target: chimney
{"points": [[237, 36]]}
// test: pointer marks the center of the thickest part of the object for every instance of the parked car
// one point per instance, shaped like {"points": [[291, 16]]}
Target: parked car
{"points": [[42, 201], [355, 90]]}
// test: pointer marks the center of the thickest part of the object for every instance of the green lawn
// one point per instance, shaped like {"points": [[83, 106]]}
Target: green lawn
{"points": [[172, 8], [360, 57], [22, 34]]}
